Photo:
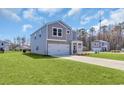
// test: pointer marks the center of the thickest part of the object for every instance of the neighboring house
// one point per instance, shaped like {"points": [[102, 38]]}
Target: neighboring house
{"points": [[100, 45], [4, 45], [26, 47], [23, 47], [55, 38]]}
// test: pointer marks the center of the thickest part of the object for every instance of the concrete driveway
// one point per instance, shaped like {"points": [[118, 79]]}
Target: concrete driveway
{"points": [[97, 61]]}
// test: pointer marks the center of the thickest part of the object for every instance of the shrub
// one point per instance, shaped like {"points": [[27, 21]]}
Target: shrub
{"points": [[115, 51], [24, 51], [83, 54]]}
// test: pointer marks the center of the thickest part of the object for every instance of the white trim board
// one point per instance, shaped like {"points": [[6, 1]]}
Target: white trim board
{"points": [[56, 40]]}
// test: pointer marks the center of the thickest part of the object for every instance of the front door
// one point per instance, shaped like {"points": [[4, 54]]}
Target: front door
{"points": [[74, 48]]}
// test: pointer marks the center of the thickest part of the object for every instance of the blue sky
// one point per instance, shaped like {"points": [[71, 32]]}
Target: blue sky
{"points": [[22, 22]]}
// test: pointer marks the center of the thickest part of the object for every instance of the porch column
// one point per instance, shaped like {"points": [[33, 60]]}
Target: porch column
{"points": [[77, 46], [72, 48]]}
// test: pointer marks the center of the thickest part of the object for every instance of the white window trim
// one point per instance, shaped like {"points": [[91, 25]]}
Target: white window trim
{"points": [[56, 40], [61, 33], [57, 32], [52, 32]]}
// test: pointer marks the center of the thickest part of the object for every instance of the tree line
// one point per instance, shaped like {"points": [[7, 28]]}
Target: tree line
{"points": [[18, 42], [114, 34]]}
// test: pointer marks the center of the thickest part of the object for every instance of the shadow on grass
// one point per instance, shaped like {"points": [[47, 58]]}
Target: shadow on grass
{"points": [[38, 56]]}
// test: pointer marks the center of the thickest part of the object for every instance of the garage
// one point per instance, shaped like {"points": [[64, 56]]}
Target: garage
{"points": [[58, 49]]}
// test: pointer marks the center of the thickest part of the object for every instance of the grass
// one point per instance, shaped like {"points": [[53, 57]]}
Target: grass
{"points": [[17, 68], [114, 56]]}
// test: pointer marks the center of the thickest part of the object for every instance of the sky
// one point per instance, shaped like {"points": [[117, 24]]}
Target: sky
{"points": [[24, 21]]}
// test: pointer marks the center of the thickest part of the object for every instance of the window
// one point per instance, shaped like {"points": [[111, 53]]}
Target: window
{"points": [[35, 36], [2, 44], [40, 35], [102, 44], [37, 48], [68, 32], [79, 45], [55, 31], [59, 32]]}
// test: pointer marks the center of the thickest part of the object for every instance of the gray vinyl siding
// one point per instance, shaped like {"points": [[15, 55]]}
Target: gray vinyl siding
{"points": [[46, 33], [64, 33], [39, 42], [74, 35], [69, 36]]}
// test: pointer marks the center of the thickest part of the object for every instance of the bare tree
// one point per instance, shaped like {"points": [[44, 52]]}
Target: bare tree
{"points": [[83, 36]]}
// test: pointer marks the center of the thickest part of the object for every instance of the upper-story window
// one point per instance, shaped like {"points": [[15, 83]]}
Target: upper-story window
{"points": [[55, 31], [59, 32], [68, 32]]}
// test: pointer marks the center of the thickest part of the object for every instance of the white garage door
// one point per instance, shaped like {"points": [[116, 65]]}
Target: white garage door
{"points": [[58, 49]]}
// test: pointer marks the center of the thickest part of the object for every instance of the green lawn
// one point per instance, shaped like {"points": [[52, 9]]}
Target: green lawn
{"points": [[17, 68], [114, 56]]}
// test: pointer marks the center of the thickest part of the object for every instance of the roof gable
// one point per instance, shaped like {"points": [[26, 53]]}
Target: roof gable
{"points": [[61, 23]]}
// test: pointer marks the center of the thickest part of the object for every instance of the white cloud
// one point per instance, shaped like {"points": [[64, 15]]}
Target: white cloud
{"points": [[73, 11], [8, 13], [96, 27], [116, 17], [50, 11], [86, 19], [100, 13], [26, 27], [32, 14]]}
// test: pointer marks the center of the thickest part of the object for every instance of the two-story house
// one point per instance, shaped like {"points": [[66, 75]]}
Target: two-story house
{"points": [[100, 45], [55, 38]]}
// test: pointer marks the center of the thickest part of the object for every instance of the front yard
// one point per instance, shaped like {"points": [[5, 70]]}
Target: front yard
{"points": [[108, 55], [18, 68]]}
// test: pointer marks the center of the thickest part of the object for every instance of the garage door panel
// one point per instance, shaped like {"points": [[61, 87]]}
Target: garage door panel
{"points": [[58, 49]]}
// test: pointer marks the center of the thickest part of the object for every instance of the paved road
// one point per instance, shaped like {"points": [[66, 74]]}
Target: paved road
{"points": [[98, 61]]}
